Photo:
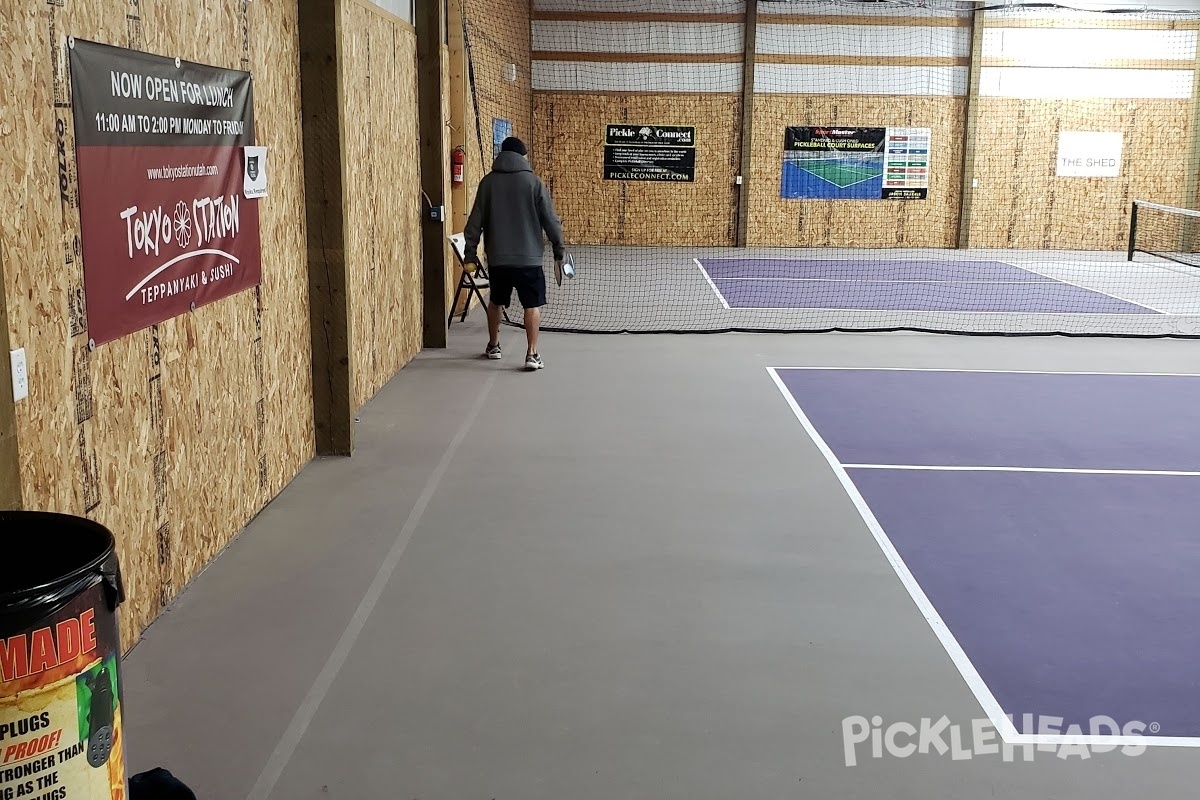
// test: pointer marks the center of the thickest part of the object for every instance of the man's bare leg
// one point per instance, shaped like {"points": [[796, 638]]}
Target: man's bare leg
{"points": [[494, 313], [533, 319]]}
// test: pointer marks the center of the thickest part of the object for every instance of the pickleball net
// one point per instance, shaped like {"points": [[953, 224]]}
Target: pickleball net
{"points": [[928, 165], [1165, 232]]}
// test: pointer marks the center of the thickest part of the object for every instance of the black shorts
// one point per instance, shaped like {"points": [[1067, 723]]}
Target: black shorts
{"points": [[530, 283]]}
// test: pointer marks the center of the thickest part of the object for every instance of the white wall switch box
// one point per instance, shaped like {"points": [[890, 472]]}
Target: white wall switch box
{"points": [[20, 374]]}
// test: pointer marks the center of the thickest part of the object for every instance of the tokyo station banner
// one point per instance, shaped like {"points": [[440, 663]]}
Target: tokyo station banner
{"points": [[166, 166]]}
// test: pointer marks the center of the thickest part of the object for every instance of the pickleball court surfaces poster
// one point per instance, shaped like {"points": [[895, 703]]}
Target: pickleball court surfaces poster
{"points": [[165, 225], [843, 163]]}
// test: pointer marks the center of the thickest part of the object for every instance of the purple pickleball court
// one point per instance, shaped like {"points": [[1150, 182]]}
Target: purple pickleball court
{"points": [[901, 285], [1074, 595], [910, 269], [1050, 520]]}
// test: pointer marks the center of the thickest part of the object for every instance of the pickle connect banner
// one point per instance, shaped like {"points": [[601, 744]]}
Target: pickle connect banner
{"points": [[164, 221]]}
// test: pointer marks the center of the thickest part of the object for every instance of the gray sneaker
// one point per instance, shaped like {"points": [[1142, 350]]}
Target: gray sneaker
{"points": [[493, 352], [533, 362]]}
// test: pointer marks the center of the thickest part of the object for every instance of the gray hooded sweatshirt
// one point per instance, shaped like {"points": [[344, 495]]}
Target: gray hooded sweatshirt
{"points": [[512, 208]]}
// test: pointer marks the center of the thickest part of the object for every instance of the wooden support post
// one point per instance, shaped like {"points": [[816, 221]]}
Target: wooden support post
{"points": [[1193, 176], [329, 310], [10, 465], [460, 197], [458, 111], [431, 34], [971, 128], [749, 59], [1189, 228]]}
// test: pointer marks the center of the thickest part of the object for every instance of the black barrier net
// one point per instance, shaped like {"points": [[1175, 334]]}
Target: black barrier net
{"points": [[1166, 232], [935, 165]]}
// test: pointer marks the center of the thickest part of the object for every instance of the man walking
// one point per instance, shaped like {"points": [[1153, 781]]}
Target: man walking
{"points": [[512, 209]]}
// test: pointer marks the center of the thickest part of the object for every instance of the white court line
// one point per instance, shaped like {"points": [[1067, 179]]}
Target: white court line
{"points": [[864, 261], [1086, 289], [982, 693], [1174, 267], [1049, 280], [1000, 371], [1046, 282], [874, 258], [959, 312], [1068, 470], [931, 311], [1059, 740], [974, 680], [708, 278]]}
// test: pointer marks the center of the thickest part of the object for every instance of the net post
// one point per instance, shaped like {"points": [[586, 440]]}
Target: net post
{"points": [[971, 112], [749, 59], [1133, 215], [1192, 185]]}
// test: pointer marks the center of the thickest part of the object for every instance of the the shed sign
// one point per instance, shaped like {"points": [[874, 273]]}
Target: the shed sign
{"points": [[1089, 154]]}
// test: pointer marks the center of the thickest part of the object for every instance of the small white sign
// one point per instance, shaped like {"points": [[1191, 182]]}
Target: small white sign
{"points": [[1089, 154], [255, 172]]}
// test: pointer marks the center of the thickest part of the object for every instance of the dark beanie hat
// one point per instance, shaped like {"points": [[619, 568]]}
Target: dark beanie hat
{"points": [[513, 145]]}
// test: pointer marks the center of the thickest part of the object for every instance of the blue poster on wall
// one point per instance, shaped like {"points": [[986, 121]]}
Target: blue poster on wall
{"points": [[832, 163], [501, 130]]}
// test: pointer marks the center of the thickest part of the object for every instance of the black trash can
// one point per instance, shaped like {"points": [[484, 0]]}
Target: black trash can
{"points": [[60, 651]]}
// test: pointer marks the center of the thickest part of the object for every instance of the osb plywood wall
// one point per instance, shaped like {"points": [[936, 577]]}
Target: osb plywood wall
{"points": [[382, 190], [1024, 76], [898, 66], [1134, 76], [569, 141], [932, 222], [497, 36], [1021, 202], [479, 149], [176, 436], [890, 65], [595, 67]]}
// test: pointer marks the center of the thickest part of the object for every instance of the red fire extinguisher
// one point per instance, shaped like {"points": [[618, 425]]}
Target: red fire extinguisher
{"points": [[457, 161]]}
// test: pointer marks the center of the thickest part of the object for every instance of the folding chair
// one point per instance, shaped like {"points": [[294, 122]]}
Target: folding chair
{"points": [[470, 281]]}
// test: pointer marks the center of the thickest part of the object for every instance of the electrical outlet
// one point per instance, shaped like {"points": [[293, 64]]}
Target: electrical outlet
{"points": [[20, 374]]}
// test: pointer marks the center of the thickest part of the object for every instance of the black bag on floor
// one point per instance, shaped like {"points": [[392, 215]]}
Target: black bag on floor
{"points": [[158, 784]]}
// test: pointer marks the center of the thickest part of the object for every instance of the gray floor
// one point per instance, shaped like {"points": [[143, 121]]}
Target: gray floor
{"points": [[628, 576]]}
